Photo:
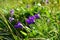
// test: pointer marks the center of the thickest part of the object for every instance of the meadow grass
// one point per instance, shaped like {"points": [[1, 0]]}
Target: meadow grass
{"points": [[47, 27]]}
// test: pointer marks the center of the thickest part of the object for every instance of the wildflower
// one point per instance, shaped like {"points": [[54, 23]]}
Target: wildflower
{"points": [[11, 19], [37, 16], [32, 17], [18, 25], [30, 21], [12, 12]]}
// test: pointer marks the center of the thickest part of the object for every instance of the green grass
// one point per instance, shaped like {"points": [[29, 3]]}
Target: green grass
{"points": [[47, 27]]}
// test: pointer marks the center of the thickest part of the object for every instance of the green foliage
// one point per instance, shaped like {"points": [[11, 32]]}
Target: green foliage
{"points": [[47, 27]]}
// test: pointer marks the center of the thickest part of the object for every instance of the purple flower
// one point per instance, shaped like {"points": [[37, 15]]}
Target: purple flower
{"points": [[12, 12], [30, 21], [18, 25], [37, 16], [32, 17], [11, 19]]}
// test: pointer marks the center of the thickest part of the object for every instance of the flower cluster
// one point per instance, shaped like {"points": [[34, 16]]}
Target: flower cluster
{"points": [[29, 20]]}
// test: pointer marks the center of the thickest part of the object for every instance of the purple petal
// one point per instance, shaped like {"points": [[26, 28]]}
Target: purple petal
{"points": [[37, 16], [32, 17], [12, 12], [28, 21], [11, 19], [18, 25], [46, 1]]}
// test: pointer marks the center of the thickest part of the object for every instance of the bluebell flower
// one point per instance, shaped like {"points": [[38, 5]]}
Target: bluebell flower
{"points": [[18, 25], [37, 16], [12, 12], [11, 19]]}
